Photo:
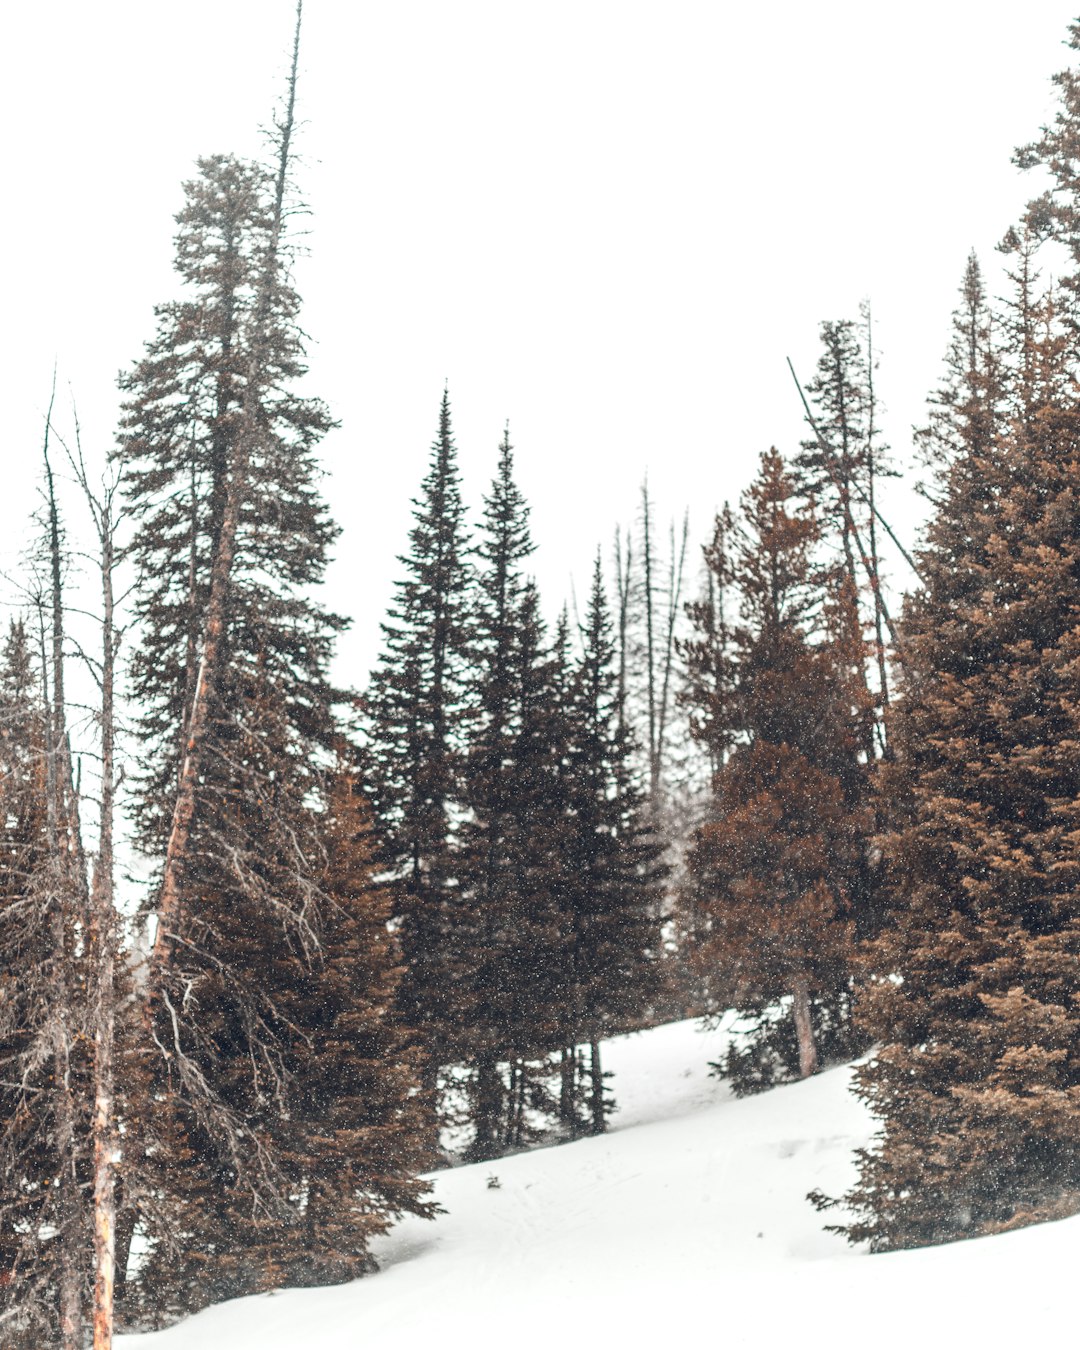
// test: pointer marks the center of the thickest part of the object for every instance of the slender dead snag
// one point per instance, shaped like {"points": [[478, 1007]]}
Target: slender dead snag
{"points": [[827, 457], [871, 478], [623, 585], [102, 916], [69, 833], [677, 564], [60, 868], [650, 652], [192, 762]]}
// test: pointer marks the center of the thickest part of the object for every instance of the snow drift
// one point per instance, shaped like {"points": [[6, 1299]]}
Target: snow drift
{"points": [[687, 1224]]}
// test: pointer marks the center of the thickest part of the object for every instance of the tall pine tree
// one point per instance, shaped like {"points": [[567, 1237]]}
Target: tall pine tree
{"points": [[239, 732], [612, 868], [417, 705]]}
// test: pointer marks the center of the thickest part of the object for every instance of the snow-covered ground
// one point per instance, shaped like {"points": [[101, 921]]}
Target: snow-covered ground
{"points": [[687, 1225]]}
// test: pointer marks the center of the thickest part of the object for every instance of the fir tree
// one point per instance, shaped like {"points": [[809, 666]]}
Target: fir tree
{"points": [[611, 932], [239, 732], [972, 996], [964, 410], [505, 854], [416, 707], [776, 873]]}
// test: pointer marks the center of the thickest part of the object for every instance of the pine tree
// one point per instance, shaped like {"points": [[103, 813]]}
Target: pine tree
{"points": [[508, 772], [965, 409], [776, 873], [611, 931], [972, 995], [417, 707], [239, 730]]}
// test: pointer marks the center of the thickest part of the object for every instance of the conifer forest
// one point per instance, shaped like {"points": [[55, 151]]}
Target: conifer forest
{"points": [[288, 939]]}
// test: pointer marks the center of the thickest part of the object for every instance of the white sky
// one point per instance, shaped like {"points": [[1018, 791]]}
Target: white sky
{"points": [[608, 222]]}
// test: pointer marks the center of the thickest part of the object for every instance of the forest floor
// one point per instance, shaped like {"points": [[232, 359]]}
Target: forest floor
{"points": [[686, 1225]]}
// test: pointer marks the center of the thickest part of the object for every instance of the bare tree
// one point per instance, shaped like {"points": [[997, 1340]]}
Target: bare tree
{"points": [[106, 513]]}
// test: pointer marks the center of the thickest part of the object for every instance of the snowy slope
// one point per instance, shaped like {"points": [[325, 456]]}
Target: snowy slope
{"points": [[686, 1225]]}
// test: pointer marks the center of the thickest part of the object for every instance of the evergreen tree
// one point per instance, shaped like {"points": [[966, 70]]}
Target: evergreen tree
{"points": [[965, 409], [417, 706], [239, 731], [777, 872], [972, 996], [611, 932], [506, 850]]}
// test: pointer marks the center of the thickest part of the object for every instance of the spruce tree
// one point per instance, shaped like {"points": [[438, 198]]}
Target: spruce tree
{"points": [[965, 408], [417, 706], [239, 731], [972, 996], [776, 873], [608, 893], [508, 841]]}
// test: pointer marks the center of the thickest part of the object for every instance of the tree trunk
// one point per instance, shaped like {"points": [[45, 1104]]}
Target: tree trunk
{"points": [[126, 1218], [490, 1105], [808, 1061], [596, 1095], [650, 649], [568, 1089], [61, 853], [103, 919]]}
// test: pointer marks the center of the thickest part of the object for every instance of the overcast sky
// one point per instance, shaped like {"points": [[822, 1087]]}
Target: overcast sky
{"points": [[607, 222]]}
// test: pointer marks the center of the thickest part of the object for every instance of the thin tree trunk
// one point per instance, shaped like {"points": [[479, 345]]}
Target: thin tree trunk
{"points": [[808, 1060], [623, 583], [489, 1107], [675, 581], [105, 993], [102, 915], [568, 1089], [596, 1095], [60, 856], [519, 1118], [70, 1291], [650, 654], [875, 562], [126, 1219]]}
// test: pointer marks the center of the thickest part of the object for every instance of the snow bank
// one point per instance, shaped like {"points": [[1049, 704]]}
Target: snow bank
{"points": [[686, 1225]]}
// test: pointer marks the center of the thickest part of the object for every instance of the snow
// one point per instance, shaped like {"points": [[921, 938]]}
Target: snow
{"points": [[687, 1224]]}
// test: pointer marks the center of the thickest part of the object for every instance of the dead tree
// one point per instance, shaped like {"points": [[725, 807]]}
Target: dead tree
{"points": [[106, 513]]}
